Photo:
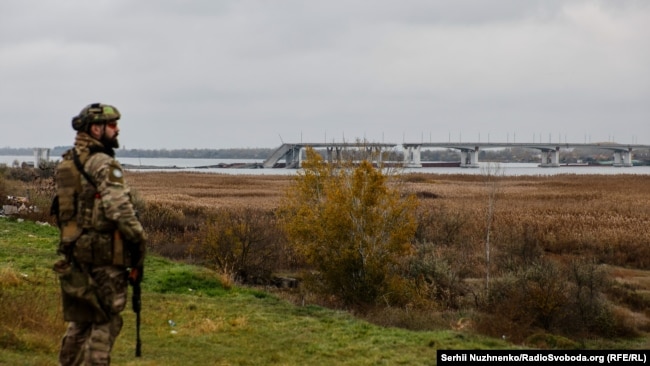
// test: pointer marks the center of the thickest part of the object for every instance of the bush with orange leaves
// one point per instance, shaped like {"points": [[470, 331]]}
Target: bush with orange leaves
{"points": [[351, 227]]}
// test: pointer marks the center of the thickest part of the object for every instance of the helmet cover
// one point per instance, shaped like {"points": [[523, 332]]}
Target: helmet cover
{"points": [[95, 113]]}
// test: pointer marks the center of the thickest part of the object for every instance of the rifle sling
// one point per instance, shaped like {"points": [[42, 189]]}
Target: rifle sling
{"points": [[80, 167]]}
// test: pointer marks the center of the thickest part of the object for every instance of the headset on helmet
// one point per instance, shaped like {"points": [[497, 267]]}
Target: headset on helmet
{"points": [[95, 113]]}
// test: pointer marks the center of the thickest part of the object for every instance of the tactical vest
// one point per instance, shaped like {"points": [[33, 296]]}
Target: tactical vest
{"points": [[66, 202], [74, 208]]}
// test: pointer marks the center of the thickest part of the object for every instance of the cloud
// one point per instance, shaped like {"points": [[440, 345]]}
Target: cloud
{"points": [[243, 73]]}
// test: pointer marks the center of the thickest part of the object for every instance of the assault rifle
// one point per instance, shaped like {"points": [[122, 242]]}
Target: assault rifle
{"points": [[135, 277]]}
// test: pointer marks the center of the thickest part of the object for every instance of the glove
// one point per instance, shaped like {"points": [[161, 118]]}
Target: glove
{"points": [[135, 276]]}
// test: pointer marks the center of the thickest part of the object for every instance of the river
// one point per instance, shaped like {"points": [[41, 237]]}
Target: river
{"points": [[208, 166]]}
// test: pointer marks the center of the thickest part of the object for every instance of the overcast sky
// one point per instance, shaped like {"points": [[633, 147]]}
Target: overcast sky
{"points": [[238, 74]]}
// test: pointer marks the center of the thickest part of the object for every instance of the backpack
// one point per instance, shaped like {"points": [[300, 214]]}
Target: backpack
{"points": [[68, 194]]}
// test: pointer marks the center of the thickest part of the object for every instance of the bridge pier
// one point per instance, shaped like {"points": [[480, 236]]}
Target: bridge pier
{"points": [[374, 152], [293, 157], [412, 156], [41, 155], [334, 154], [550, 158], [469, 157], [623, 158]]}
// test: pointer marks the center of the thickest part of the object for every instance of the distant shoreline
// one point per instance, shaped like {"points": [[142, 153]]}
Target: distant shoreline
{"points": [[215, 166]]}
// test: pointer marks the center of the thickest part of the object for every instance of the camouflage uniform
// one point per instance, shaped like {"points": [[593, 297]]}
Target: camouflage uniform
{"points": [[94, 275]]}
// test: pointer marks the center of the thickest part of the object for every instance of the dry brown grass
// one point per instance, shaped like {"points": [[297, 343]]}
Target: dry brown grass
{"points": [[562, 217], [571, 212], [570, 215], [202, 190], [605, 216]]}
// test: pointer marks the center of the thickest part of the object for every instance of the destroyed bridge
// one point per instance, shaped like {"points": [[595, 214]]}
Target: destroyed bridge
{"points": [[292, 153]]}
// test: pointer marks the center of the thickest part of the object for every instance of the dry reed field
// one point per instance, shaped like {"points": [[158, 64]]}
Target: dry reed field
{"points": [[560, 255], [599, 218], [566, 217], [204, 190], [607, 216]]}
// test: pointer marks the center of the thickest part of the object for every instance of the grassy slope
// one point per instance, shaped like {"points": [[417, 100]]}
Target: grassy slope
{"points": [[213, 325]]}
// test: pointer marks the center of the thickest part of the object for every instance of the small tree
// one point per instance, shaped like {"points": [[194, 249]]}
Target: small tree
{"points": [[491, 174], [350, 226]]}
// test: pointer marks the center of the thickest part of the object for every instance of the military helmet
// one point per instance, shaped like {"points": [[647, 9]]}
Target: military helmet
{"points": [[95, 113]]}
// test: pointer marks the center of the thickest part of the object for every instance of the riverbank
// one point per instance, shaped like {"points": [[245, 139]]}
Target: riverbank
{"points": [[560, 218]]}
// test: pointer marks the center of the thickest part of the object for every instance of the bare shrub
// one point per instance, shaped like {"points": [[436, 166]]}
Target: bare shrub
{"points": [[163, 218], [23, 174], [545, 290], [434, 278], [169, 230], [568, 300], [243, 243], [4, 192], [587, 311], [505, 310], [519, 245], [47, 168], [441, 225], [535, 296], [172, 245]]}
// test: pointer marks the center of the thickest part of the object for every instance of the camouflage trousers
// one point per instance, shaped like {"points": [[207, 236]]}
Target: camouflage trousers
{"points": [[88, 343]]}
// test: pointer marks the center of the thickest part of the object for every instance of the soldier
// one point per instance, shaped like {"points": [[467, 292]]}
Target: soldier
{"points": [[101, 238]]}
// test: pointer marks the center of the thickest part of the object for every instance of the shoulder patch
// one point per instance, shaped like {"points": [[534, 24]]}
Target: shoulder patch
{"points": [[115, 174]]}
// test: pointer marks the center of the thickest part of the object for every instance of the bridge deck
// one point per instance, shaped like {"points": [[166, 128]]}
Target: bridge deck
{"points": [[286, 149]]}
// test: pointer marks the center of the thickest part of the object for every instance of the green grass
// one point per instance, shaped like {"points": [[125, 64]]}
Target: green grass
{"points": [[213, 325]]}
